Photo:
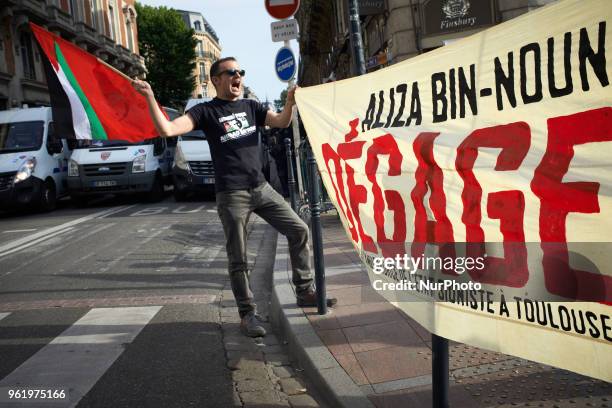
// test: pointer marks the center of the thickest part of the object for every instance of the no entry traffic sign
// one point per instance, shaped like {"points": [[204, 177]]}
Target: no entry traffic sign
{"points": [[284, 64], [282, 9]]}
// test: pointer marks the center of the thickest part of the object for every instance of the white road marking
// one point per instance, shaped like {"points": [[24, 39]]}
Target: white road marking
{"points": [[149, 211], [76, 359], [115, 261], [47, 254], [98, 249], [180, 210], [47, 232], [3, 315], [118, 210], [21, 230], [36, 241]]}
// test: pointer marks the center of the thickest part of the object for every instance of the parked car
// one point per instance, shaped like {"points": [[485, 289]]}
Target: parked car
{"points": [[99, 167], [33, 160], [193, 168]]}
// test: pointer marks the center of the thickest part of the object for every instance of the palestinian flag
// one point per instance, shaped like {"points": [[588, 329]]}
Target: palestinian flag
{"points": [[89, 99]]}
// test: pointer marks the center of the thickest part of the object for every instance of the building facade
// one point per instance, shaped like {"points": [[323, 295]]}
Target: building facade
{"points": [[248, 93], [105, 28], [208, 51], [392, 30]]}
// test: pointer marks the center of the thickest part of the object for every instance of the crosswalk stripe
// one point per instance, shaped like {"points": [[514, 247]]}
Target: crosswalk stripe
{"points": [[3, 315], [77, 358]]}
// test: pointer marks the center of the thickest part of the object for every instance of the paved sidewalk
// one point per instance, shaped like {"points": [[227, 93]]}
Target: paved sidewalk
{"points": [[260, 367], [368, 353]]}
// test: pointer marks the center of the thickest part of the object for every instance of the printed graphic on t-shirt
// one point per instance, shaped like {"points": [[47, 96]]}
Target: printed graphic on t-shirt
{"points": [[236, 126]]}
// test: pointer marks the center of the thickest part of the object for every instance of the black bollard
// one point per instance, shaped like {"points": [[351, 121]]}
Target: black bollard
{"points": [[290, 175], [439, 368], [317, 236]]}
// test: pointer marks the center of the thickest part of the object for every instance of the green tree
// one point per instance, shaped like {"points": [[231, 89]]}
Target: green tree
{"points": [[280, 103], [168, 48]]}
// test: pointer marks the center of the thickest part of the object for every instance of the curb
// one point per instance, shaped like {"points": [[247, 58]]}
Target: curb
{"points": [[321, 368]]}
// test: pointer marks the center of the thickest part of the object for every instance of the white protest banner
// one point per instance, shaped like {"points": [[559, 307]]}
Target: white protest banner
{"points": [[488, 162]]}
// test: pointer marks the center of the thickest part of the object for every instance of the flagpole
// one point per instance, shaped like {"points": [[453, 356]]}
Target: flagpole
{"points": [[114, 69]]}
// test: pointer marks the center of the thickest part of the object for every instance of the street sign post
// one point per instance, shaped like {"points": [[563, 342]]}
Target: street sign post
{"points": [[284, 30], [284, 64], [281, 9]]}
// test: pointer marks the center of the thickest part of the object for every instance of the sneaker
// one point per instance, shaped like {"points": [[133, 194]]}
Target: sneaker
{"points": [[309, 299], [250, 325]]}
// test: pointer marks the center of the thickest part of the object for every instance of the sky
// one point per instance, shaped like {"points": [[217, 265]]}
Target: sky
{"points": [[243, 28]]}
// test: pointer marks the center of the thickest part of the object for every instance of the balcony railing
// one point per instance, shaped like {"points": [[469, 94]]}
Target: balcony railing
{"points": [[205, 54]]}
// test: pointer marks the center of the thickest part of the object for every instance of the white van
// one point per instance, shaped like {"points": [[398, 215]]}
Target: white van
{"points": [[193, 168], [99, 167], [33, 161]]}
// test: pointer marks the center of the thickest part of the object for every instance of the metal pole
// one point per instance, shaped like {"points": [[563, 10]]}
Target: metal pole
{"points": [[356, 37], [317, 236], [296, 138], [439, 366], [290, 176]]}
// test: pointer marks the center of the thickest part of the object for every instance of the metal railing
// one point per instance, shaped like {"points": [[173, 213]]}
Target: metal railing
{"points": [[309, 209], [309, 178]]}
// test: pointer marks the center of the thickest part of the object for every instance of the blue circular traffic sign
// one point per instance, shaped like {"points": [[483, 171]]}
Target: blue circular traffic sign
{"points": [[284, 64]]}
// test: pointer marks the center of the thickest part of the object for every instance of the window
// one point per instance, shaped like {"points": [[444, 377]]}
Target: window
{"points": [[93, 6], [339, 17], [27, 56], [73, 8], [130, 33], [111, 21], [21, 136], [202, 72], [54, 145], [130, 18], [2, 61], [197, 25]]}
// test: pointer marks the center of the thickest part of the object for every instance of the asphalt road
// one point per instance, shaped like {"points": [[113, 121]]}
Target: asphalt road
{"points": [[117, 304]]}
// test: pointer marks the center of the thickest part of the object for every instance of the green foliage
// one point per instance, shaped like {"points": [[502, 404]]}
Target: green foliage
{"points": [[279, 104], [168, 48]]}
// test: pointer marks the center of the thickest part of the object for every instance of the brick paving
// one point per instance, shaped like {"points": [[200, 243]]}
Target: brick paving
{"points": [[388, 354], [108, 302]]}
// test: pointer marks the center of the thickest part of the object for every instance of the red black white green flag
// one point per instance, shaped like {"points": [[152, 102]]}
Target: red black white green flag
{"points": [[89, 99]]}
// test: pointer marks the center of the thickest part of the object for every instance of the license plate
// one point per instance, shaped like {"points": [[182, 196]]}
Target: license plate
{"points": [[209, 180], [104, 183]]}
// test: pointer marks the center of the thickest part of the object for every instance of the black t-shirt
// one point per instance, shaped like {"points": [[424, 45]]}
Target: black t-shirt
{"points": [[231, 131]]}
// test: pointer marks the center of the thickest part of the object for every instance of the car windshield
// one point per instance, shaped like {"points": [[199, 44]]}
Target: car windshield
{"points": [[88, 144], [21, 136], [194, 135]]}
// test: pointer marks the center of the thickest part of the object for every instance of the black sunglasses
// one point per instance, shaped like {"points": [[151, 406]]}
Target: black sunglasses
{"points": [[232, 72]]}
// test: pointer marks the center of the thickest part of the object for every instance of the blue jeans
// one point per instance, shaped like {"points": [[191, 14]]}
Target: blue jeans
{"points": [[234, 208]]}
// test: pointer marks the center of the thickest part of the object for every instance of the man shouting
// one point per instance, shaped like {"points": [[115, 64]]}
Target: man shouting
{"points": [[230, 124]]}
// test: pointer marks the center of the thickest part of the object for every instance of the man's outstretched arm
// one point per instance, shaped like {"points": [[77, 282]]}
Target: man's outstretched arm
{"points": [[282, 119], [165, 127]]}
